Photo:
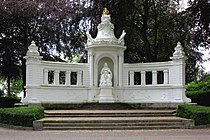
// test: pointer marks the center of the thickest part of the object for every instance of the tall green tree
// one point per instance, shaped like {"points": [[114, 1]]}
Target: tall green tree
{"points": [[14, 23], [54, 25], [198, 14]]}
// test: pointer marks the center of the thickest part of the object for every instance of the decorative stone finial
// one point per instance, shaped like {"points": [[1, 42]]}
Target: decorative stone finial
{"points": [[178, 50], [105, 12], [178, 53], [32, 50]]}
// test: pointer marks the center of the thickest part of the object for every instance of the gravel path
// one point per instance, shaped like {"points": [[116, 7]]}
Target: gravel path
{"points": [[176, 134]]}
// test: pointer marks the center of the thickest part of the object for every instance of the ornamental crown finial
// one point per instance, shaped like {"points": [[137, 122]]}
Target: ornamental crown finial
{"points": [[105, 12]]}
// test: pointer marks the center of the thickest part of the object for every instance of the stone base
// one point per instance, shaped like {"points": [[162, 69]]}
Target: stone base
{"points": [[154, 105], [34, 102], [106, 95]]}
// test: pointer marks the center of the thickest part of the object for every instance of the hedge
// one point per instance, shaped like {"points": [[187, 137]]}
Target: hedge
{"points": [[8, 102], [200, 114], [21, 116], [200, 97]]}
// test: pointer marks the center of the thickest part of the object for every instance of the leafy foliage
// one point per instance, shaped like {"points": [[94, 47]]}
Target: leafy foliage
{"points": [[22, 116], [200, 16], [7, 102], [199, 97], [54, 25], [17, 86], [199, 91], [201, 85], [200, 114]]}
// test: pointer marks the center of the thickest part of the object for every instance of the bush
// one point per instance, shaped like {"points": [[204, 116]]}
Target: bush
{"points": [[200, 114], [198, 86], [199, 97], [22, 116], [8, 102], [199, 91]]}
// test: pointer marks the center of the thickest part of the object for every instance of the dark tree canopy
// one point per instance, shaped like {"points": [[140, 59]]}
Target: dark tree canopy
{"points": [[54, 25]]}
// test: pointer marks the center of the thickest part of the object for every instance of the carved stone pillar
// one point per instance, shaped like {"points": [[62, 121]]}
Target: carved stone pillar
{"points": [[68, 78], [143, 77], [79, 78], [91, 58], [131, 78], [120, 70], [165, 76], [45, 76], [56, 77], [154, 77]]}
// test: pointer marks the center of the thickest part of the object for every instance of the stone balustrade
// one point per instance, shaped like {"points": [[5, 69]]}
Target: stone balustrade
{"points": [[158, 73], [149, 77]]}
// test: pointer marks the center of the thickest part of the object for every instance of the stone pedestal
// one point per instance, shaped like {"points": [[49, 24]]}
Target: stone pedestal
{"points": [[106, 95]]}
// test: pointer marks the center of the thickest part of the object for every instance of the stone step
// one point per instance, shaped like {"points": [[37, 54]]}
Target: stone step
{"points": [[111, 120], [106, 106], [88, 106], [114, 123], [64, 124], [115, 128], [108, 113]]}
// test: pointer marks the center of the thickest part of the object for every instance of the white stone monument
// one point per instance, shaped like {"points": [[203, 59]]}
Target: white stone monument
{"points": [[105, 78]]}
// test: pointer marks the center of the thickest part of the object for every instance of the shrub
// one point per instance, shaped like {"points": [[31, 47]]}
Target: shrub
{"points": [[22, 116], [8, 102], [198, 86], [199, 91], [199, 97], [200, 114]]}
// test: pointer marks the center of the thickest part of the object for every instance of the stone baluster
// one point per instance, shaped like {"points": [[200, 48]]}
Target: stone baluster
{"points": [[165, 76], [79, 78], [154, 77], [120, 69], [91, 69], [56, 77], [68, 78], [131, 78], [143, 75], [46, 76]]}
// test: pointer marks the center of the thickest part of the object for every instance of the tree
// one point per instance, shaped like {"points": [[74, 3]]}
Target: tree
{"points": [[59, 32], [15, 32], [198, 15], [54, 25]]}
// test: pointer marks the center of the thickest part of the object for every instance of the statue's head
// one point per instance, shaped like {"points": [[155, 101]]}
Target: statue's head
{"points": [[105, 65], [105, 12]]}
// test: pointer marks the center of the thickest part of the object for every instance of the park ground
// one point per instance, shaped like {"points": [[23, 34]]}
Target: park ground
{"points": [[173, 134]]}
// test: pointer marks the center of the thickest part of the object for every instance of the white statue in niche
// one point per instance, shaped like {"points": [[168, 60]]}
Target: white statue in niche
{"points": [[106, 76]]}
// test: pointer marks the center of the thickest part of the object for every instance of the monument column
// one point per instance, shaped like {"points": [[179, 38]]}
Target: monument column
{"points": [[120, 69], [91, 55]]}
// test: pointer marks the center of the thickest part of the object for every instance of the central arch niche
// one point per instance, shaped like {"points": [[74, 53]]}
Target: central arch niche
{"points": [[110, 65]]}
